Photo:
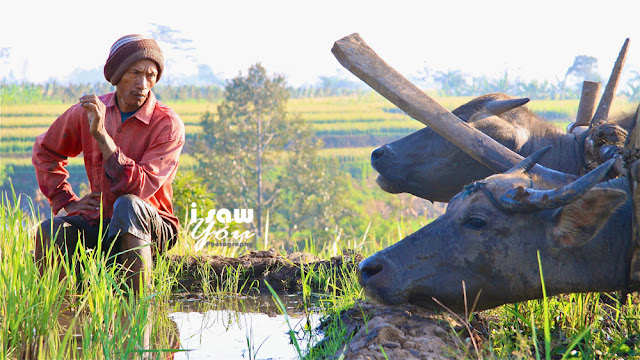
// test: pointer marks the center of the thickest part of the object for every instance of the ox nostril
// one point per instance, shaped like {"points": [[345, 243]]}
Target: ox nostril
{"points": [[368, 268], [377, 153]]}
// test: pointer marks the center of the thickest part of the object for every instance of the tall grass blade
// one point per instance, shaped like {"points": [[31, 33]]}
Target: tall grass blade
{"points": [[547, 325]]}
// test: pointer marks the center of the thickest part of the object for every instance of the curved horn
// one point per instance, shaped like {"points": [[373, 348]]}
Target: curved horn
{"points": [[602, 112], [356, 56], [522, 200], [526, 164], [498, 107]]}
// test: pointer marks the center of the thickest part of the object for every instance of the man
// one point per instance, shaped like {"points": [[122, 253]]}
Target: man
{"points": [[131, 144]]}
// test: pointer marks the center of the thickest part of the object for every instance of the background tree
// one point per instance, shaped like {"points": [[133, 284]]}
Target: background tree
{"points": [[583, 68], [452, 82], [254, 152], [314, 197], [189, 188], [633, 85]]}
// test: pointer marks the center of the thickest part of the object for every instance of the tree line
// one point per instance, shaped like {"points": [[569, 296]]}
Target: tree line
{"points": [[458, 83], [29, 93]]}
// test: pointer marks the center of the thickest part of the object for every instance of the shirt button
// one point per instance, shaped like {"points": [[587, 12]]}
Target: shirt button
{"points": [[119, 130]]}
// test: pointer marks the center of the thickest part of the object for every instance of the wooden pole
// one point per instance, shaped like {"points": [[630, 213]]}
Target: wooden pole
{"points": [[356, 56], [587, 106]]}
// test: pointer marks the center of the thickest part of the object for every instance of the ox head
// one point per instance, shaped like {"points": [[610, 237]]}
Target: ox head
{"points": [[489, 238], [428, 166]]}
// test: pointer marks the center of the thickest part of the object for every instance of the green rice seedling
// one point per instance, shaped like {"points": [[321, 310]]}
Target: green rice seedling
{"points": [[545, 302], [335, 339], [283, 311], [252, 351], [43, 317], [164, 280], [383, 352], [231, 280], [29, 302]]}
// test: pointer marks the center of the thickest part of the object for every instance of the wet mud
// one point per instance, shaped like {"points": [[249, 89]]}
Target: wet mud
{"points": [[403, 332], [283, 273]]}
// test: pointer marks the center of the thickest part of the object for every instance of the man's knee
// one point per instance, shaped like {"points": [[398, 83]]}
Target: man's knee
{"points": [[125, 204], [130, 216], [133, 216]]}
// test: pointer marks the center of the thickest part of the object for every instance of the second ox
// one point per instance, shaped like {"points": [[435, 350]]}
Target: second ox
{"points": [[429, 166], [426, 165]]}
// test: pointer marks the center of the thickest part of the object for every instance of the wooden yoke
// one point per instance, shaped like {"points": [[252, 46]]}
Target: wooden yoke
{"points": [[587, 106]]}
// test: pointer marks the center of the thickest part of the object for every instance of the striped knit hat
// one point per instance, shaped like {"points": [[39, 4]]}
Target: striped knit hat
{"points": [[126, 51]]}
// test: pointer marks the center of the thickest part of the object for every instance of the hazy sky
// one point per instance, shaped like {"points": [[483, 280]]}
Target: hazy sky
{"points": [[534, 39]]}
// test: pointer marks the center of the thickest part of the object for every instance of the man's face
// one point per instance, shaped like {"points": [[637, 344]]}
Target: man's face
{"points": [[133, 88]]}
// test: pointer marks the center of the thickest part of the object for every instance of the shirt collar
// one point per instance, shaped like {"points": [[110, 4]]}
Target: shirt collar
{"points": [[146, 110]]}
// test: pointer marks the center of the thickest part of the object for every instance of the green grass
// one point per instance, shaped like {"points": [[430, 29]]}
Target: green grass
{"points": [[99, 307], [113, 325]]}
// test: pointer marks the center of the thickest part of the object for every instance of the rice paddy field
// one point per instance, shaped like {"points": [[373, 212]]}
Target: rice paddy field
{"points": [[92, 314], [351, 127]]}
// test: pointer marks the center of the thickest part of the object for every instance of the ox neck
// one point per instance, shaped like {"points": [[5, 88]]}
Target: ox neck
{"points": [[610, 269], [566, 153]]}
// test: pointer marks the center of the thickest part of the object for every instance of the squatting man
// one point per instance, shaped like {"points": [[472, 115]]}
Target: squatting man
{"points": [[130, 144]]}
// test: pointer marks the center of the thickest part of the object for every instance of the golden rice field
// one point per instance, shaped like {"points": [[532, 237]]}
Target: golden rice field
{"points": [[341, 119]]}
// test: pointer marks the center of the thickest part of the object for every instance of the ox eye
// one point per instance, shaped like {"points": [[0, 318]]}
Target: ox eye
{"points": [[475, 223]]}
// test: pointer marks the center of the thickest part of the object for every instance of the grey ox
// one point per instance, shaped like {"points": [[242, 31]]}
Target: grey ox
{"points": [[428, 166], [495, 228]]}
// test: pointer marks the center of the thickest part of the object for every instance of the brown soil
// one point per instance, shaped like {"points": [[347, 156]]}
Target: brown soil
{"points": [[283, 273], [404, 332]]}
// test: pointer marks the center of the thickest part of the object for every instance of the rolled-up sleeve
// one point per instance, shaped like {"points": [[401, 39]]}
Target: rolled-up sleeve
{"points": [[49, 158], [146, 176]]}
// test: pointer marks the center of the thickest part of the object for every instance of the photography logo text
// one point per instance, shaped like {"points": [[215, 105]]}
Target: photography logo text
{"points": [[219, 235]]}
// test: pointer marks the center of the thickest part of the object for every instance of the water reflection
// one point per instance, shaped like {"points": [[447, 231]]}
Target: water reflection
{"points": [[152, 334], [242, 328], [230, 327]]}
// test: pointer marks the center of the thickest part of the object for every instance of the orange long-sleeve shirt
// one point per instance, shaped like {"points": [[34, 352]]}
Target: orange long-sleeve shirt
{"points": [[144, 164]]}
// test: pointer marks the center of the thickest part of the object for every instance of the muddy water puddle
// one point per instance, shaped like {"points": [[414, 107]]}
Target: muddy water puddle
{"points": [[243, 328], [189, 327]]}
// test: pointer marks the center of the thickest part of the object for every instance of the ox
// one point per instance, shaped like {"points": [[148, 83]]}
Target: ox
{"points": [[489, 238], [428, 166]]}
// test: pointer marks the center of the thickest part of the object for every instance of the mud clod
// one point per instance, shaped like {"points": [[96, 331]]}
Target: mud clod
{"points": [[403, 332], [283, 273]]}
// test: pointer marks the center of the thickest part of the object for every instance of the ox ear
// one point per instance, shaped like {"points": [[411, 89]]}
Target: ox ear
{"points": [[509, 135], [576, 223]]}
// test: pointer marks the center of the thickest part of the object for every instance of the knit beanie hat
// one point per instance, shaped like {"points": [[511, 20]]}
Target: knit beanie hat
{"points": [[126, 51]]}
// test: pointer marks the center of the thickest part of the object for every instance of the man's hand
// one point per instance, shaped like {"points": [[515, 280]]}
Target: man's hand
{"points": [[96, 111], [89, 203]]}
